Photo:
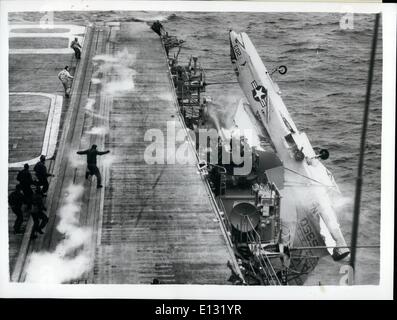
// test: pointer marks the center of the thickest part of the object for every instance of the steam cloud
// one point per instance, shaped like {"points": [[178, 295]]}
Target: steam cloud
{"points": [[90, 104], [71, 257], [98, 130], [95, 80], [244, 123], [120, 65], [232, 120], [89, 109], [108, 160], [76, 161], [167, 96], [222, 112]]}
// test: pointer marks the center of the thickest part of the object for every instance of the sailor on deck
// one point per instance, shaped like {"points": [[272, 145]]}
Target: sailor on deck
{"points": [[39, 218], [64, 76], [26, 181], [158, 27], [42, 175], [92, 168], [15, 200], [75, 45]]}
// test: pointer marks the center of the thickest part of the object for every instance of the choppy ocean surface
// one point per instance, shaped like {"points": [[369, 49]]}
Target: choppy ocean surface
{"points": [[324, 91]]}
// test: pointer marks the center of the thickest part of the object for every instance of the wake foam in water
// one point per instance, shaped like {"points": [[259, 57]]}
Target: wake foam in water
{"points": [[150, 17]]}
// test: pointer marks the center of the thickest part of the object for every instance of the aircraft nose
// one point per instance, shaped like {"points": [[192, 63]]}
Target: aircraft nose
{"points": [[232, 36]]}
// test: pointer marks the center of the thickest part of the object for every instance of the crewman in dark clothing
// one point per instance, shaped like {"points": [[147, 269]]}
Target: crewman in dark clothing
{"points": [[92, 169], [26, 181], [75, 45], [42, 175], [15, 200], [157, 27], [40, 220], [215, 178]]}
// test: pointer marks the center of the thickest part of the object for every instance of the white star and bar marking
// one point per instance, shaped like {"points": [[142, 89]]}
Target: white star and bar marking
{"points": [[259, 93]]}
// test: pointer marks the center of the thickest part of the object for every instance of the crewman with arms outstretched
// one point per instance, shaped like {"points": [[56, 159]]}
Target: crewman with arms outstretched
{"points": [[92, 168]]}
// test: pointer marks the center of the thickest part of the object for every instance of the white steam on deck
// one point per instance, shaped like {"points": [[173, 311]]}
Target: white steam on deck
{"points": [[119, 64], [71, 257]]}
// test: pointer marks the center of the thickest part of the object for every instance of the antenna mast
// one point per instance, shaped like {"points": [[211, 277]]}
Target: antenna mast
{"points": [[356, 214]]}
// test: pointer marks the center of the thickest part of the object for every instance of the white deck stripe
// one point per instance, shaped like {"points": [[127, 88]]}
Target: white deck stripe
{"points": [[52, 127], [41, 51], [73, 32]]}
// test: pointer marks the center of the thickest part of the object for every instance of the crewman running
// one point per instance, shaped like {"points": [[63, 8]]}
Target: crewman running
{"points": [[75, 45], [15, 200], [40, 220], [42, 175], [92, 168], [26, 181], [64, 76]]}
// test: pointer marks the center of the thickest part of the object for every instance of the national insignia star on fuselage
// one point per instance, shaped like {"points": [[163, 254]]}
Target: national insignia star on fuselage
{"points": [[259, 93]]}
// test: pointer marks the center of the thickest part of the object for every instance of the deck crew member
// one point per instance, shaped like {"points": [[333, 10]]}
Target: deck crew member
{"points": [[42, 175], [26, 181], [157, 27], [40, 220], [75, 45], [92, 168], [64, 76], [15, 200]]}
